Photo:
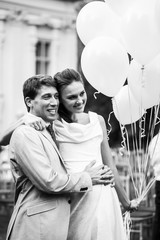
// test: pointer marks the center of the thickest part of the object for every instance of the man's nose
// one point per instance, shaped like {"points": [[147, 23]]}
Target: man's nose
{"points": [[54, 101]]}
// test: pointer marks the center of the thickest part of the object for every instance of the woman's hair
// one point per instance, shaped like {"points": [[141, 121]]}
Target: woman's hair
{"points": [[63, 79]]}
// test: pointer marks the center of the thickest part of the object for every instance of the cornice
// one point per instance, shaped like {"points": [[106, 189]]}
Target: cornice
{"points": [[37, 18]]}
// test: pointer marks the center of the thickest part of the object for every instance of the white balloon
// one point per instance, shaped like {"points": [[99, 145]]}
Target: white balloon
{"points": [[105, 65], [140, 31], [97, 19], [157, 13], [120, 6], [125, 107], [145, 83]]}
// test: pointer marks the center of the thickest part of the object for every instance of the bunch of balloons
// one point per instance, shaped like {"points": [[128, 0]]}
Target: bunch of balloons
{"points": [[111, 30]]}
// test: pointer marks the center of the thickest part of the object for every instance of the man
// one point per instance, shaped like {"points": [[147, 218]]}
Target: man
{"points": [[42, 208], [154, 153]]}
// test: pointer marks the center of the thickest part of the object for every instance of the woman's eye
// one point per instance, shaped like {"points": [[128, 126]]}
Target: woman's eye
{"points": [[71, 97], [82, 93]]}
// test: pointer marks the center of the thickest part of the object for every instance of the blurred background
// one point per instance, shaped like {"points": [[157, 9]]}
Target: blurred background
{"points": [[39, 36], [36, 36]]}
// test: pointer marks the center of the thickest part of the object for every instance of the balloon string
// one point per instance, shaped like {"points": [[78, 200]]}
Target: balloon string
{"points": [[141, 126], [146, 190], [123, 142], [142, 68], [157, 121], [110, 126], [94, 94], [127, 223], [142, 78]]}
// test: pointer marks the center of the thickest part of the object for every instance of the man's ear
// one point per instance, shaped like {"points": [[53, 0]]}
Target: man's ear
{"points": [[28, 102]]}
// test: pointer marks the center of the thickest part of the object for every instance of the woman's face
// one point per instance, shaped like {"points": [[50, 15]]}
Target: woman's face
{"points": [[74, 97]]}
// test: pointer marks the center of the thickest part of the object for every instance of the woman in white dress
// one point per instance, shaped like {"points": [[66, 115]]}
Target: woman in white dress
{"points": [[82, 138]]}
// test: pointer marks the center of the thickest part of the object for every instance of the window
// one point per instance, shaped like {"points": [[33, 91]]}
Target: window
{"points": [[42, 57]]}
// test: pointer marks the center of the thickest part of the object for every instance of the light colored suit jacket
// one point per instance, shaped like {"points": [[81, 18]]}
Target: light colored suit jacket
{"points": [[43, 187]]}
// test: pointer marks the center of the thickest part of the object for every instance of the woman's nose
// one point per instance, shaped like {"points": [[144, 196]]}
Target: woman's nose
{"points": [[79, 100]]}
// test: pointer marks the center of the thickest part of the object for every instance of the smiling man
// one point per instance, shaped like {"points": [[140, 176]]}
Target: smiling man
{"points": [[42, 201]]}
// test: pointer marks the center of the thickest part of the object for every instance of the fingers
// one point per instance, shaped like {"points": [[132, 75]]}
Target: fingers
{"points": [[37, 123], [134, 205], [36, 126], [101, 174], [104, 182], [107, 176], [107, 173]]}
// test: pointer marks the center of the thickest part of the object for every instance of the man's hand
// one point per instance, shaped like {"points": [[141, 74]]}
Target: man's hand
{"points": [[100, 174]]}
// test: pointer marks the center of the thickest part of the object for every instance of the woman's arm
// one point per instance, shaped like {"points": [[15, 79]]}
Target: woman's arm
{"points": [[108, 160], [6, 135], [28, 119]]}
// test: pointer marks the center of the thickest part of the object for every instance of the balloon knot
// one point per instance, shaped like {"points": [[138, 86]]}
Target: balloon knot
{"points": [[142, 68]]}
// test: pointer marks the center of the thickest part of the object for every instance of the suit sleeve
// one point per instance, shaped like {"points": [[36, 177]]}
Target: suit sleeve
{"points": [[27, 150]]}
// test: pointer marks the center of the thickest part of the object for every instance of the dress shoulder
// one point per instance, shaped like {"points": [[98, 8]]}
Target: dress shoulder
{"points": [[77, 132]]}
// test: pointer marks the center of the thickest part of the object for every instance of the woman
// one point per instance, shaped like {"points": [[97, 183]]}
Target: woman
{"points": [[82, 138]]}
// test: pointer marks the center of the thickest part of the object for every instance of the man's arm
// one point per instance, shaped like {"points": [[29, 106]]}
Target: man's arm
{"points": [[28, 149]]}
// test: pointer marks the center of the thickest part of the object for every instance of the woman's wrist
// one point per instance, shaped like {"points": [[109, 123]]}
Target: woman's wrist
{"points": [[128, 208]]}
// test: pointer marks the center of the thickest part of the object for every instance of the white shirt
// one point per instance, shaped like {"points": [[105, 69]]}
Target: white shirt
{"points": [[154, 153]]}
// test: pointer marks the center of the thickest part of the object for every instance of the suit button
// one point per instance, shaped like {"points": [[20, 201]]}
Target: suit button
{"points": [[69, 201]]}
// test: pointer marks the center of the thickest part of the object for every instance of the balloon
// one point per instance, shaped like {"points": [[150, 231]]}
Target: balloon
{"points": [[105, 65], [140, 31], [96, 19], [120, 6], [145, 84], [157, 13], [125, 107]]}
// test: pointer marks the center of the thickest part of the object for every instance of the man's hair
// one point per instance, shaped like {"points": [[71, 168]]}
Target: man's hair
{"points": [[32, 85]]}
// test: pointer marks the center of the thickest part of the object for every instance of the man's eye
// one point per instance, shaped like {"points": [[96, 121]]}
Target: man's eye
{"points": [[56, 96], [46, 97]]}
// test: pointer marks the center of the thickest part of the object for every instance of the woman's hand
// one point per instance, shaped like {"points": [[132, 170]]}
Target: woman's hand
{"points": [[35, 122], [134, 204]]}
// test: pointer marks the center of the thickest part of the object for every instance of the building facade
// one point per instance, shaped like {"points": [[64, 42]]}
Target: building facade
{"points": [[36, 36]]}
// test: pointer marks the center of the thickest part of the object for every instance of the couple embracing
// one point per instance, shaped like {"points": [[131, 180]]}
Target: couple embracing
{"points": [[64, 190]]}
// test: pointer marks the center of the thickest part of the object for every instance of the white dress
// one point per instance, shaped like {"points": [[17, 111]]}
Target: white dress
{"points": [[95, 215]]}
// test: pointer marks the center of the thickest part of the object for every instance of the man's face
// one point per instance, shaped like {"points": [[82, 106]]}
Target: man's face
{"points": [[45, 104]]}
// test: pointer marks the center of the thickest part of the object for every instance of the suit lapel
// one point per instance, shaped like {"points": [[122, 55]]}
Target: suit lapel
{"points": [[47, 135]]}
